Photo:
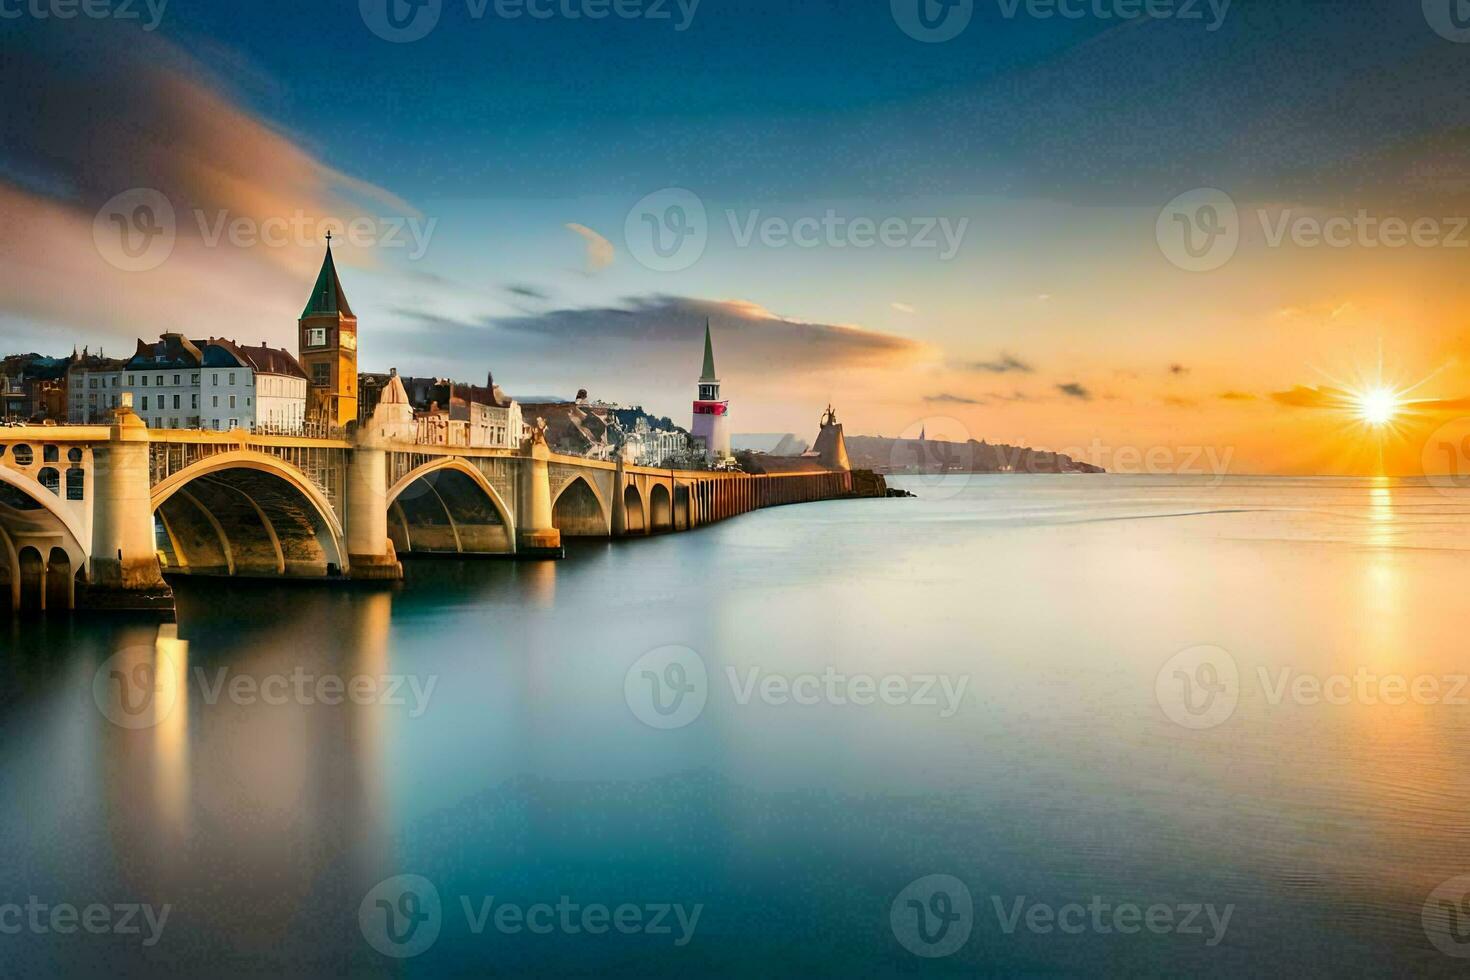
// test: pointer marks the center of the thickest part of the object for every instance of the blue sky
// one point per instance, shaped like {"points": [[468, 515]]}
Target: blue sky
{"points": [[1049, 144]]}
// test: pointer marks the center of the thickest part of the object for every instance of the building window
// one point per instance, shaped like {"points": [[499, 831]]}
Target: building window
{"points": [[194, 401], [23, 455], [130, 380], [50, 454], [50, 479], [321, 374], [215, 423], [76, 483], [145, 403], [176, 379], [234, 423], [91, 382], [74, 455], [232, 401], [214, 379], [194, 379], [215, 400], [158, 381], [316, 337], [232, 377]]}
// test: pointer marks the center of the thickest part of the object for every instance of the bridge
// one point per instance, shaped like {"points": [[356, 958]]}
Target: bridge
{"points": [[95, 516]]}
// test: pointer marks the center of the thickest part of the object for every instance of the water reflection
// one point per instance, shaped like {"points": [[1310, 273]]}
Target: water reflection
{"points": [[265, 819]]}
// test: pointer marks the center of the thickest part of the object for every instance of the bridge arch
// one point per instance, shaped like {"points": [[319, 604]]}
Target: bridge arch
{"points": [[660, 509], [43, 499], [448, 506], [246, 513], [579, 510], [635, 521]]}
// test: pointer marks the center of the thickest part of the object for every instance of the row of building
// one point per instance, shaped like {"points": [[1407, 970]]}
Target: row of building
{"points": [[217, 384]]}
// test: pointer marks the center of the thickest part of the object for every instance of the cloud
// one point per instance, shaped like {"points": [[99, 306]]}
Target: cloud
{"points": [[656, 336], [1004, 364], [1302, 396], [951, 399], [1178, 402], [600, 251], [903, 307], [99, 118], [1237, 396], [1075, 390], [1178, 370], [525, 291]]}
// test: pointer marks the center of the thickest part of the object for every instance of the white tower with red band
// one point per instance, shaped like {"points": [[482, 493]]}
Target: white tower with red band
{"points": [[711, 415]]}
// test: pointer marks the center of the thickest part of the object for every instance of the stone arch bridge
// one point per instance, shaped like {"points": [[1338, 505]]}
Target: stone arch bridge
{"points": [[95, 515]]}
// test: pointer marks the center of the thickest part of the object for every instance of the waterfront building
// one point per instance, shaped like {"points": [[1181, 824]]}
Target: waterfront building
{"points": [[327, 347], [711, 414], [450, 413], [92, 386], [177, 383]]}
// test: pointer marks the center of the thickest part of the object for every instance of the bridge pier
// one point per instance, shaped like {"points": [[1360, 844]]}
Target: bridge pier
{"points": [[370, 552], [536, 533], [124, 572]]}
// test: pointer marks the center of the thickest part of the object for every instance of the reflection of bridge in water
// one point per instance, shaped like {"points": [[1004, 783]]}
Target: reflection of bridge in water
{"points": [[94, 515]]}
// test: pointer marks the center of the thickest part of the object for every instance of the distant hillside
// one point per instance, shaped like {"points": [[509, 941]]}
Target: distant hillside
{"points": [[931, 456]]}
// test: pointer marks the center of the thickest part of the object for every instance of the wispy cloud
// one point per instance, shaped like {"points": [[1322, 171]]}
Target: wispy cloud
{"points": [[946, 398], [1237, 396], [903, 308], [1004, 364], [1074, 390], [600, 251]]}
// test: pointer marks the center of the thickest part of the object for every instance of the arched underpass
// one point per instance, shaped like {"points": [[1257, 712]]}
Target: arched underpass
{"points": [[40, 560], [448, 511], [578, 513], [661, 508], [245, 522], [633, 521]]}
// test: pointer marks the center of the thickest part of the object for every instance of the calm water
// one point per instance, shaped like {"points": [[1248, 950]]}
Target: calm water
{"points": [[525, 764]]}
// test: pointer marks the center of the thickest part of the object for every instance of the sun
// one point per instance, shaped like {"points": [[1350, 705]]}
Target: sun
{"points": [[1378, 406]]}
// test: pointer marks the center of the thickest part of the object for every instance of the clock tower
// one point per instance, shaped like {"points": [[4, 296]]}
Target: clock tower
{"points": [[328, 348]]}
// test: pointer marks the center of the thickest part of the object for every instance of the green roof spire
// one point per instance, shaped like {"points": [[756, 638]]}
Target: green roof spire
{"points": [[709, 356], [327, 296]]}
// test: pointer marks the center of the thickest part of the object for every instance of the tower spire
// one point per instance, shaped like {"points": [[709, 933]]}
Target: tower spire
{"points": [[327, 295], [709, 356]]}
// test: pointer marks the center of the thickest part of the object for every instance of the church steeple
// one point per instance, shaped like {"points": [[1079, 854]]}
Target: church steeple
{"points": [[328, 348], [709, 356], [327, 296]]}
